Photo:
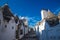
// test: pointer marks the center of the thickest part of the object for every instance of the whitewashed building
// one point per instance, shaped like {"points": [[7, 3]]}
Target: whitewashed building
{"points": [[37, 29], [49, 26], [22, 29], [7, 24], [25, 26]]}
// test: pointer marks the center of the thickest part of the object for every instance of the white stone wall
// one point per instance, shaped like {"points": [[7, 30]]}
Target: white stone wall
{"points": [[36, 29], [1, 23], [21, 36], [8, 33], [41, 28], [1, 20], [26, 30]]}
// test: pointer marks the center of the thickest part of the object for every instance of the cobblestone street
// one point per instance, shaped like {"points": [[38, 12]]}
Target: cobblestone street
{"points": [[30, 36]]}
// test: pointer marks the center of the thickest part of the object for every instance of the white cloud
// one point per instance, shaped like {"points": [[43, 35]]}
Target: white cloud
{"points": [[31, 20]]}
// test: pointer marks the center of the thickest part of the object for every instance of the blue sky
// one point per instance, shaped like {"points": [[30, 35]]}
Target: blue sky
{"points": [[31, 8]]}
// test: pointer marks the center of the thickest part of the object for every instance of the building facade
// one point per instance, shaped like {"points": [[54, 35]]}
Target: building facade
{"points": [[22, 29], [7, 24], [11, 27], [49, 27], [25, 25]]}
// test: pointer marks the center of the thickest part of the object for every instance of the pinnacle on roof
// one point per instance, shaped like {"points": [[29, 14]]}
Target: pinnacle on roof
{"points": [[50, 14]]}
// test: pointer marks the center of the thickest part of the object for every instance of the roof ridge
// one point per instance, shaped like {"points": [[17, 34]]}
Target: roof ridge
{"points": [[50, 14]]}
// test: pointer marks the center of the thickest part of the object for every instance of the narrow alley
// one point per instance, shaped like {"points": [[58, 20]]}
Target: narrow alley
{"points": [[30, 36], [29, 19]]}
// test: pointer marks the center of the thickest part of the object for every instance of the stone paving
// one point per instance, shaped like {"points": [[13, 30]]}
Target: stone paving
{"points": [[30, 36]]}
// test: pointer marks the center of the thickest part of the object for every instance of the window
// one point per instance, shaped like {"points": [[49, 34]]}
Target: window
{"points": [[12, 27], [5, 26], [21, 32]]}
